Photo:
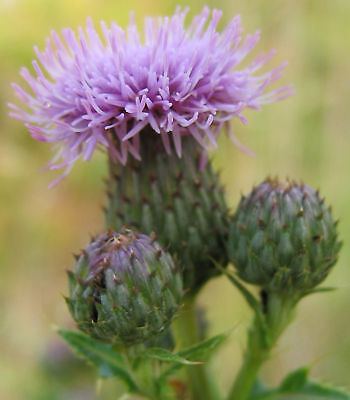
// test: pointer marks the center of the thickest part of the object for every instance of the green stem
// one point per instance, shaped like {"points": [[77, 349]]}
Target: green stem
{"points": [[143, 373], [186, 333], [261, 340]]}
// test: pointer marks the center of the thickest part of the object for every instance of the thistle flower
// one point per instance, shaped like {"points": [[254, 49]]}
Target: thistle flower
{"points": [[283, 237], [124, 288], [91, 92]]}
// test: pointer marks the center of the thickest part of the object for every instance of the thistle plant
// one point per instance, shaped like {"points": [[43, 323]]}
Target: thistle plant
{"points": [[156, 106], [284, 240]]}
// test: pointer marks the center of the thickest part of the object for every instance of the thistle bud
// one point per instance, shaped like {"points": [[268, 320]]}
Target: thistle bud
{"points": [[283, 237], [124, 288], [182, 203]]}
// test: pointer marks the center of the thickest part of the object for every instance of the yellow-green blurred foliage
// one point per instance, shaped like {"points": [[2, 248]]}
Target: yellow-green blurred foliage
{"points": [[305, 137]]}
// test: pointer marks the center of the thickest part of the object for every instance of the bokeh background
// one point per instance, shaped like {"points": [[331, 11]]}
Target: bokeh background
{"points": [[305, 137]]}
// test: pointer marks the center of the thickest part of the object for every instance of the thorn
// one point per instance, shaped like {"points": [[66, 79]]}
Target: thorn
{"points": [[125, 198], [261, 223], [179, 177], [153, 273], [152, 178], [317, 238], [176, 194], [145, 201], [116, 176], [320, 216], [300, 213], [153, 237], [215, 206], [167, 248]]}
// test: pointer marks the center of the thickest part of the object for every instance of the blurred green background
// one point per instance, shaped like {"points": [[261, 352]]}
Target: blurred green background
{"points": [[305, 137]]}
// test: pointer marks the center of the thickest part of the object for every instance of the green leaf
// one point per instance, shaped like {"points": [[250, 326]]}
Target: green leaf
{"points": [[102, 355], [324, 289], [312, 391], [295, 380], [297, 387], [251, 300], [161, 354], [204, 348], [254, 304], [199, 351]]}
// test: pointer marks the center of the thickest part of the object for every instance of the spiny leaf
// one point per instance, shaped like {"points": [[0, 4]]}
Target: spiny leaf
{"points": [[161, 354], [102, 355], [199, 351], [325, 289], [253, 303], [251, 300], [205, 347]]}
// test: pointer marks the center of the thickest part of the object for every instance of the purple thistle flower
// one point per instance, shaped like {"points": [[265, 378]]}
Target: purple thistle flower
{"points": [[103, 93]]}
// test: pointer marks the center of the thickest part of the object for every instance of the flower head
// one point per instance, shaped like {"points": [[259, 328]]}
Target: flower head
{"points": [[124, 288], [283, 237], [91, 92]]}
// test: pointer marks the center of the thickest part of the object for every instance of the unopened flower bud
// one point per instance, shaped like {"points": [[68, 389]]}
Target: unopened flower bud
{"points": [[283, 237], [124, 288]]}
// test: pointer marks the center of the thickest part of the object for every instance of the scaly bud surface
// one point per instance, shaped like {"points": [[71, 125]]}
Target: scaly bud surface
{"points": [[124, 289], [182, 203], [283, 237]]}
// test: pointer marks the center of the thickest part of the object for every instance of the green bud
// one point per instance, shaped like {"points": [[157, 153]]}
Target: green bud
{"points": [[283, 237], [171, 196], [124, 288]]}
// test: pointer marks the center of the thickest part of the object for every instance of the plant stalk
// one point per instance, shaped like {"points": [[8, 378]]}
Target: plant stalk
{"points": [[261, 340], [186, 334]]}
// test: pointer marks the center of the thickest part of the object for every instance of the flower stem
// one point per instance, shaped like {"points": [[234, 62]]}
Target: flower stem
{"points": [[186, 333], [143, 373], [261, 340]]}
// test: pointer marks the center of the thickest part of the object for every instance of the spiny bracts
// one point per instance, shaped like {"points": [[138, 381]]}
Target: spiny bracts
{"points": [[283, 237], [124, 289], [183, 204]]}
